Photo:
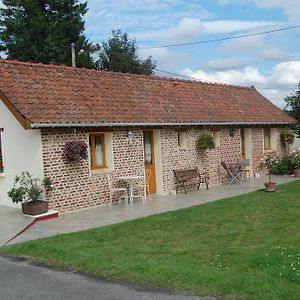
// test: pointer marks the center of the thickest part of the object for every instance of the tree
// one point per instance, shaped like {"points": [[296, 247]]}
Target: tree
{"points": [[120, 54], [43, 30], [293, 106]]}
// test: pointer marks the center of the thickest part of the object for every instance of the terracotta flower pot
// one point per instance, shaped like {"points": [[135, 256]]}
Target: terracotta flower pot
{"points": [[297, 173], [34, 208], [270, 186]]}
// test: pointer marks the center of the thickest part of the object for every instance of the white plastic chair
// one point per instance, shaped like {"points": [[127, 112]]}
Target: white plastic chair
{"points": [[113, 191], [145, 185]]}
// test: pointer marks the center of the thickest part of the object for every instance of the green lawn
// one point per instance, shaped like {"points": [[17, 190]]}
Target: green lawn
{"points": [[246, 247]]}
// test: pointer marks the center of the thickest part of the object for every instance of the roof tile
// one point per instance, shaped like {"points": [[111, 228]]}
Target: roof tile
{"points": [[59, 94]]}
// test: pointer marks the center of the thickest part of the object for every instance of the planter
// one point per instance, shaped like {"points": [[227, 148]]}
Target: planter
{"points": [[35, 208], [297, 173], [270, 186]]}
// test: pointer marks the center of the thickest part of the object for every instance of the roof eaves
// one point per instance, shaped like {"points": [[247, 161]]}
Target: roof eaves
{"points": [[106, 124]]}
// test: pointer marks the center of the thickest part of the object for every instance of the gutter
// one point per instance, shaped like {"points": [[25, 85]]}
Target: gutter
{"points": [[77, 125]]}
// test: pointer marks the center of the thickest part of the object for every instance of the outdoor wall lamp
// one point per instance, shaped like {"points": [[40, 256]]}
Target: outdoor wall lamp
{"points": [[130, 137], [231, 132]]}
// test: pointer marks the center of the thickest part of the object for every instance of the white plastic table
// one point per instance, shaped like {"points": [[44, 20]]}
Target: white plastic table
{"points": [[130, 179]]}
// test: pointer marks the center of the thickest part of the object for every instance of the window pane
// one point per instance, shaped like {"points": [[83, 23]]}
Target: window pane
{"points": [[148, 152], [99, 150], [267, 136]]}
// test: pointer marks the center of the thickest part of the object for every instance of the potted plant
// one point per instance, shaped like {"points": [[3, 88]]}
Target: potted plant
{"points": [[28, 190], [205, 141], [76, 151], [296, 162], [268, 163]]}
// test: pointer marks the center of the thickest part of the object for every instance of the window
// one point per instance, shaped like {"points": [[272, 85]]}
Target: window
{"points": [[182, 139], [217, 138], [267, 138], [1, 159], [97, 151]]}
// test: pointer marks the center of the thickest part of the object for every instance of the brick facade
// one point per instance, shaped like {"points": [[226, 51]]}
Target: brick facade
{"points": [[75, 186]]}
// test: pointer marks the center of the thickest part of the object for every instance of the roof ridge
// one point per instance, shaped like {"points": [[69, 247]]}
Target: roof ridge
{"points": [[155, 77]]}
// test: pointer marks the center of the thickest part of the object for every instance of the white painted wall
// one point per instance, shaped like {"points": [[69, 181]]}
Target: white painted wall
{"points": [[22, 151]]}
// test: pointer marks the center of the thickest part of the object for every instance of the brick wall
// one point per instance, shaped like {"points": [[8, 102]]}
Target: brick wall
{"points": [[175, 157], [75, 186]]}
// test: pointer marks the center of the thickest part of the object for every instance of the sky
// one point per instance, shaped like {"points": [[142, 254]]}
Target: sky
{"points": [[269, 62]]}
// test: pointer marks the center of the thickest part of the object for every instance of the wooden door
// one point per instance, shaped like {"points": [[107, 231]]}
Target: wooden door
{"points": [[243, 144], [150, 159]]}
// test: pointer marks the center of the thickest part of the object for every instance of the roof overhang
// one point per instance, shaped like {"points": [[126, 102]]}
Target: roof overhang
{"points": [[154, 124], [25, 123]]}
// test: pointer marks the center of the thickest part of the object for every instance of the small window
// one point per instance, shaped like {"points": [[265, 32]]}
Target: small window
{"points": [[216, 137], [182, 139], [267, 138], [97, 151]]}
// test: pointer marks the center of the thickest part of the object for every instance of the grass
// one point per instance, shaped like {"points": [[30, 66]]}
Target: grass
{"points": [[246, 247]]}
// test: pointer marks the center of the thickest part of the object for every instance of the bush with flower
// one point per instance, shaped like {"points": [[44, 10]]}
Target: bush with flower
{"points": [[76, 151], [295, 155], [282, 165], [288, 136]]}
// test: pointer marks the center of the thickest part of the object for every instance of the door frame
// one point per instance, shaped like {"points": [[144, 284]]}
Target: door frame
{"points": [[248, 147], [152, 141]]}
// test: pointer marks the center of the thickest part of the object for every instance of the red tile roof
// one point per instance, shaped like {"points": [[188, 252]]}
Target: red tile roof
{"points": [[47, 94]]}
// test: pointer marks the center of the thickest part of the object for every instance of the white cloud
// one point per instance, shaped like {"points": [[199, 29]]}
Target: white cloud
{"points": [[254, 46], [249, 76], [286, 73], [227, 26], [188, 29], [280, 81], [139, 17], [290, 7], [222, 63], [166, 59]]}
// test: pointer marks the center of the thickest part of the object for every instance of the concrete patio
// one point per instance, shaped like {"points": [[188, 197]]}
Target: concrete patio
{"points": [[12, 220], [95, 217]]}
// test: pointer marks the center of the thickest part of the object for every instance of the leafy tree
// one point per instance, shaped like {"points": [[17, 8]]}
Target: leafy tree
{"points": [[293, 106], [120, 54], [43, 30]]}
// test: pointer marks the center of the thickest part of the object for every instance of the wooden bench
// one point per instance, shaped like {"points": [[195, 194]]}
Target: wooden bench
{"points": [[186, 177]]}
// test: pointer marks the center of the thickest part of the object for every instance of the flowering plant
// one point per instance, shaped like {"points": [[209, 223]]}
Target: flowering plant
{"points": [[206, 141], [295, 156], [76, 151], [269, 163], [288, 136]]}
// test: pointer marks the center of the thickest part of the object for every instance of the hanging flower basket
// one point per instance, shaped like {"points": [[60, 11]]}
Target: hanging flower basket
{"points": [[76, 151], [205, 142], [288, 136]]}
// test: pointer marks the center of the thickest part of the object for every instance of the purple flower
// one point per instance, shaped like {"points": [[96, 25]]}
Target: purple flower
{"points": [[76, 150]]}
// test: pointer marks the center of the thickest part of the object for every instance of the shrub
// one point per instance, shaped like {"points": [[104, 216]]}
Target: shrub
{"points": [[284, 165], [76, 151], [205, 141], [288, 136]]}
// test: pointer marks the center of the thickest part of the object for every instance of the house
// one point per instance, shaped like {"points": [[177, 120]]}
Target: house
{"points": [[130, 122]]}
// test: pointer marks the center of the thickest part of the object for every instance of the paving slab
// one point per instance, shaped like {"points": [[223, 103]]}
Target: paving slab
{"points": [[12, 220], [156, 204]]}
